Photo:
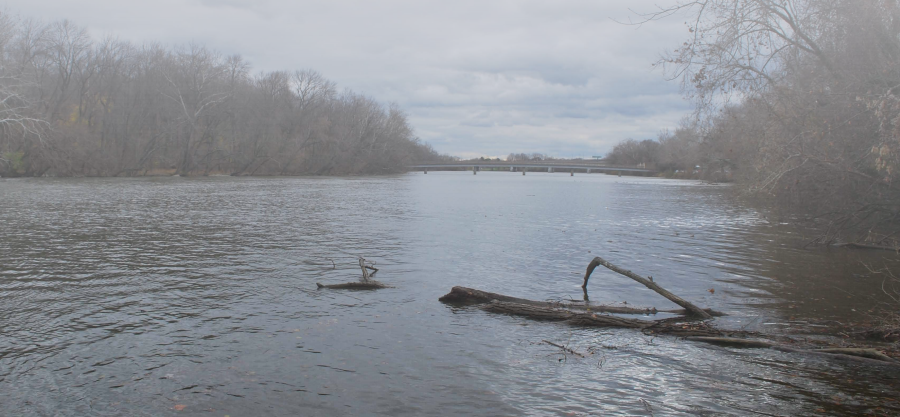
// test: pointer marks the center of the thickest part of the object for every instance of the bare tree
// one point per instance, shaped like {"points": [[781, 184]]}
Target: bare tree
{"points": [[195, 86], [793, 94], [72, 105]]}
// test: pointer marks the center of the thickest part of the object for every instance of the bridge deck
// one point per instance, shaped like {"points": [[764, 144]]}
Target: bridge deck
{"points": [[547, 164]]}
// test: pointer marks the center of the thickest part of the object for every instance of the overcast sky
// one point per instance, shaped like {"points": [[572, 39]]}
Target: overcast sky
{"points": [[477, 78]]}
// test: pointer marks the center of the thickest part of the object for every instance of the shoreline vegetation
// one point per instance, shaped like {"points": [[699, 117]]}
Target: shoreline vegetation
{"points": [[75, 106], [797, 102]]}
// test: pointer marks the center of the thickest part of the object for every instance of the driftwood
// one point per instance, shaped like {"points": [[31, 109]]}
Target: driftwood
{"points": [[365, 283], [866, 246], [732, 342], [692, 331], [648, 282], [468, 296], [589, 319], [699, 331], [861, 352], [555, 314], [565, 349], [370, 285], [870, 356], [366, 266]]}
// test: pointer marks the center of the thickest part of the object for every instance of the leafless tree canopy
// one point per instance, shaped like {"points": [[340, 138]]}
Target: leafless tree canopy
{"points": [[800, 101], [527, 157], [73, 105], [633, 152]]}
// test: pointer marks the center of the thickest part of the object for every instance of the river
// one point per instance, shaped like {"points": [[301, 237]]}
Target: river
{"points": [[197, 296]]}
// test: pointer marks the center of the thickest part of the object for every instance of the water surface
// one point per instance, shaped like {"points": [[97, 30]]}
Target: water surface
{"points": [[140, 296]]}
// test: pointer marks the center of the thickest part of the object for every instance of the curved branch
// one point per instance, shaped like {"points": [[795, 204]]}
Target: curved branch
{"points": [[691, 308]]}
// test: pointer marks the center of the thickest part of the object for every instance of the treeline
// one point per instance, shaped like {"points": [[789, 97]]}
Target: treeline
{"points": [[798, 100], [528, 157], [674, 154], [74, 106]]}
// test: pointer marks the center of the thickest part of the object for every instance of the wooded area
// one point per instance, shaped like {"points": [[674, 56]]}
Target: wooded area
{"points": [[798, 101], [71, 105]]}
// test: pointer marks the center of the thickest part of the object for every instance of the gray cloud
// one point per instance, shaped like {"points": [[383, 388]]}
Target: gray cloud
{"points": [[476, 78]]}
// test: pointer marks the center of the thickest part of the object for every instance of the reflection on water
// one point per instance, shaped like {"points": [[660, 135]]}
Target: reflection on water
{"points": [[140, 296]]}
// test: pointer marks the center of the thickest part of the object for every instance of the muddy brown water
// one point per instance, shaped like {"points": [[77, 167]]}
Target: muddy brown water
{"points": [[172, 296]]}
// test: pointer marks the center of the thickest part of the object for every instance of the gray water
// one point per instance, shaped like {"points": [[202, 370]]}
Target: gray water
{"points": [[171, 296]]}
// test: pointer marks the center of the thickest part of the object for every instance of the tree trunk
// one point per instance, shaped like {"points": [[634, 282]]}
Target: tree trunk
{"points": [[588, 319], [463, 295]]}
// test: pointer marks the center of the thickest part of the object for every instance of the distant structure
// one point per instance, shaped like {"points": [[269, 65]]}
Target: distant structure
{"points": [[597, 157], [556, 165]]}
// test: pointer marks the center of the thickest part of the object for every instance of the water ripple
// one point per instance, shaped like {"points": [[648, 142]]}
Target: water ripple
{"points": [[128, 296]]}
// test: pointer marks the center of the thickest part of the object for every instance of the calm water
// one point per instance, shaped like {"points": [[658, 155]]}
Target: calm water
{"points": [[170, 296]]}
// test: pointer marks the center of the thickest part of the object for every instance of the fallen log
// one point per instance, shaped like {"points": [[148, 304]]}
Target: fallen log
{"points": [[553, 314], [368, 285], [852, 245], [699, 331], [691, 308], [732, 342], [870, 356], [846, 357], [861, 352], [365, 283], [528, 310], [469, 296], [588, 319], [691, 331]]}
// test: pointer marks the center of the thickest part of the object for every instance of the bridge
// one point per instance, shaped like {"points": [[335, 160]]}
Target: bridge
{"points": [[565, 165]]}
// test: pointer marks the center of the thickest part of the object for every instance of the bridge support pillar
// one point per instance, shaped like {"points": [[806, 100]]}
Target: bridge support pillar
{"points": [[550, 170], [512, 169], [523, 172], [589, 171], [426, 170], [474, 170], [572, 173]]}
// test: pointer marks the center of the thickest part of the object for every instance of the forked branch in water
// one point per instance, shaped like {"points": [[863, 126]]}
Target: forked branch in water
{"points": [[691, 308], [366, 266], [366, 282]]}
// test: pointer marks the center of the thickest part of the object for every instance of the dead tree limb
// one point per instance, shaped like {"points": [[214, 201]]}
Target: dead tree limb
{"points": [[870, 356], [852, 245], [697, 311], [861, 352], [370, 285], [366, 282], [697, 332], [528, 310], [732, 342], [587, 319], [469, 296], [692, 331], [565, 349], [365, 266]]}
